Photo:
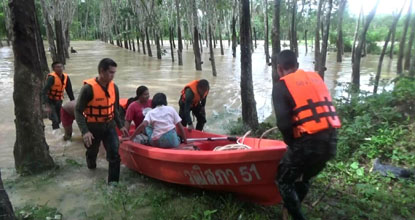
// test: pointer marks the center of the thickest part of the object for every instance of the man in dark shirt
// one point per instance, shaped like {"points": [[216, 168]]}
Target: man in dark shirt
{"points": [[52, 96], [307, 120], [96, 113], [193, 99]]}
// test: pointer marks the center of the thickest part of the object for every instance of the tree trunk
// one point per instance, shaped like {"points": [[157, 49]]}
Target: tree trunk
{"points": [[317, 37], [148, 44], [156, 34], [412, 67], [305, 40], [385, 46], [323, 53], [234, 37], [399, 64], [358, 52], [212, 56], [143, 39], [276, 41], [49, 31], [171, 43], [249, 113], [266, 40], [254, 36], [392, 44], [293, 39], [60, 42], [31, 152], [179, 35], [339, 42], [410, 43], [356, 33], [67, 42], [138, 42], [196, 49], [220, 40], [6, 208], [201, 43]]}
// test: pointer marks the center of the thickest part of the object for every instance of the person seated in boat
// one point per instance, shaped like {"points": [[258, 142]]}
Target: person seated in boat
{"points": [[193, 99], [160, 124], [137, 106], [67, 118]]}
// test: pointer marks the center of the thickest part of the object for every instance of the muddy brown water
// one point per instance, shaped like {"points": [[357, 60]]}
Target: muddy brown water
{"points": [[135, 69]]}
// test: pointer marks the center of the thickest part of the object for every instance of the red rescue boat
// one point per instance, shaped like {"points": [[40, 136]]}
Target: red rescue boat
{"points": [[248, 173]]}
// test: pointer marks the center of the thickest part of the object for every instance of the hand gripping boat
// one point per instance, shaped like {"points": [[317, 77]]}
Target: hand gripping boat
{"points": [[250, 174]]}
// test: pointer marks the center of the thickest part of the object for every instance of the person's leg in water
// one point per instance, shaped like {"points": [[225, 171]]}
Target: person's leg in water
{"points": [[54, 115], [92, 151], [111, 144], [67, 121], [200, 114]]}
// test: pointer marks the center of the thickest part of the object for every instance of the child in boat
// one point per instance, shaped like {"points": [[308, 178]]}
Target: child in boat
{"points": [[160, 124]]}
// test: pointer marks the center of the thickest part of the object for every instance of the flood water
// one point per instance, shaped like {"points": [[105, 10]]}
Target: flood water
{"points": [[135, 69]]}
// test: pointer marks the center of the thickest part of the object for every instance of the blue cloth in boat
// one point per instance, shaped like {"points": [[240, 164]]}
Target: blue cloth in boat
{"points": [[169, 139]]}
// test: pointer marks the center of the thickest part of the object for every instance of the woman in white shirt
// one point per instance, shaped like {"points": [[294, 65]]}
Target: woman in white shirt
{"points": [[160, 124]]}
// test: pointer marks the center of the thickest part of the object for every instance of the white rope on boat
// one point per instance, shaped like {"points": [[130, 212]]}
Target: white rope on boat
{"points": [[238, 146], [265, 133]]}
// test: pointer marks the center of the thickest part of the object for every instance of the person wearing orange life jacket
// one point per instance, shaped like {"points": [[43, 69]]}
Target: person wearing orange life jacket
{"points": [[308, 121], [193, 99], [97, 114], [53, 91]]}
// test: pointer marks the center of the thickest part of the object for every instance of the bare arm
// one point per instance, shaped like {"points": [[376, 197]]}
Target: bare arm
{"points": [[181, 132], [127, 125], [139, 129]]}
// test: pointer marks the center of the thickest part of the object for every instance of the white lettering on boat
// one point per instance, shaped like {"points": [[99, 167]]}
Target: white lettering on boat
{"points": [[197, 176]]}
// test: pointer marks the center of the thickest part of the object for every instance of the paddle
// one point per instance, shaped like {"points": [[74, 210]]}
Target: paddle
{"points": [[212, 139]]}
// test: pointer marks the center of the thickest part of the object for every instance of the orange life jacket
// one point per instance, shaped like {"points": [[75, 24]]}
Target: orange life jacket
{"points": [[57, 89], [314, 110], [196, 98], [101, 107], [123, 103]]}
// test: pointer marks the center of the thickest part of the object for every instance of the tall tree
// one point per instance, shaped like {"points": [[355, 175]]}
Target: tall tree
{"points": [[276, 42], [49, 29], [60, 42], [408, 53], [382, 55], [179, 34], [356, 32], [323, 53], [293, 30], [196, 49], [399, 65], [249, 113], [171, 39], [266, 40], [339, 43], [392, 43], [358, 52], [317, 37], [6, 208], [233, 26], [31, 152]]}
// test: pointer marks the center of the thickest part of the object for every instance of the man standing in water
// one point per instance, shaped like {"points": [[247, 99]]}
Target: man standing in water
{"points": [[56, 83], [96, 113], [193, 99], [308, 121]]}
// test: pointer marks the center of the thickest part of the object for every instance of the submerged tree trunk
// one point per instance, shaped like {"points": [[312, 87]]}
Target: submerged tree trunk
{"points": [[148, 44], [249, 113], [408, 53], [324, 46], [212, 55], [359, 48], [305, 40], [356, 34], [339, 43], [399, 65], [49, 31], [266, 40], [143, 39], [233, 27], [156, 34], [293, 30], [196, 49], [254, 36], [385, 46], [220, 41], [171, 43], [179, 35], [6, 208], [31, 152], [60, 42], [317, 37], [276, 42], [392, 44]]}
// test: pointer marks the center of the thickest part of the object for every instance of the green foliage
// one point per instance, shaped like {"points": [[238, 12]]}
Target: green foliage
{"points": [[35, 212]]}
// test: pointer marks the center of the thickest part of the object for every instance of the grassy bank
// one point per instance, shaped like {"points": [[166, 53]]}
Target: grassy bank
{"points": [[380, 126]]}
